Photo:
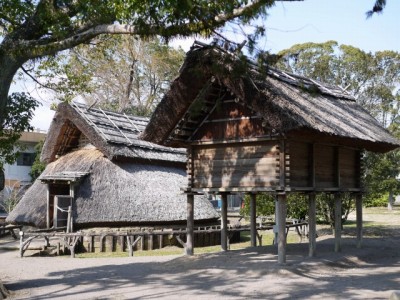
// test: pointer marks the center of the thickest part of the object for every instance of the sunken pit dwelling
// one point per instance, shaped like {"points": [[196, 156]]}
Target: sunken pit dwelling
{"points": [[110, 178]]}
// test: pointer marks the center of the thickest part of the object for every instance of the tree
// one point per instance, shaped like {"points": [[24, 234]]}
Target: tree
{"points": [[374, 80], [377, 8], [19, 114], [32, 30], [121, 73], [38, 166]]}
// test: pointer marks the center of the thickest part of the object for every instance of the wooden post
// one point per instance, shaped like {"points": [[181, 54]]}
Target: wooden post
{"points": [[190, 224], [253, 228], [72, 195], [55, 211], [338, 222], [281, 218], [224, 222], [69, 219], [150, 245], [48, 207], [312, 228], [275, 227], [160, 241], [359, 202], [132, 241], [21, 244]]}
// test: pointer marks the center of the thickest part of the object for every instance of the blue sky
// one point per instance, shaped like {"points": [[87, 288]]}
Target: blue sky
{"points": [[344, 21], [291, 23]]}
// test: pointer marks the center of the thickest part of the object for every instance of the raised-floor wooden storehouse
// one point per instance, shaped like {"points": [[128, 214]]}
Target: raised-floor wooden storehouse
{"points": [[254, 130], [97, 165]]}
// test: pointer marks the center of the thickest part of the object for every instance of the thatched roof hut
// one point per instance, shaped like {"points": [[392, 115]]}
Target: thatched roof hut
{"points": [[257, 129], [116, 179], [285, 104]]}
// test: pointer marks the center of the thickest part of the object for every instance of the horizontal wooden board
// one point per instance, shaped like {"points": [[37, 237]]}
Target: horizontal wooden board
{"points": [[240, 165], [229, 181]]}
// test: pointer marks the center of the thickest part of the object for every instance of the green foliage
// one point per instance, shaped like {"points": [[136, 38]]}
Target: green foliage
{"points": [[38, 166], [374, 79], [381, 176], [265, 205], [376, 200], [378, 8], [20, 109], [325, 205], [33, 30], [297, 206]]}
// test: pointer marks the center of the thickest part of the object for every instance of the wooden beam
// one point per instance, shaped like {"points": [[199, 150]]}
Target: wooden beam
{"points": [[359, 218], [224, 222], [338, 221], [253, 230], [232, 119], [190, 224], [237, 140], [312, 228], [281, 220]]}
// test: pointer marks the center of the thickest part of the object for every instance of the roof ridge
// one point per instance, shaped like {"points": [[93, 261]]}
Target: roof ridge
{"points": [[288, 77]]}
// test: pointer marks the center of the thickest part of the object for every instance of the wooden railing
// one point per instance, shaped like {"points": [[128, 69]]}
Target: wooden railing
{"points": [[70, 240]]}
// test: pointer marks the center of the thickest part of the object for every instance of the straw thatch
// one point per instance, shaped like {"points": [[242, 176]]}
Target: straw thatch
{"points": [[288, 104], [119, 179], [114, 194], [113, 134]]}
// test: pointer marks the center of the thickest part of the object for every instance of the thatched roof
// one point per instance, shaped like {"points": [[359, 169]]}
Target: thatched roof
{"points": [[114, 134], [114, 193], [287, 103]]}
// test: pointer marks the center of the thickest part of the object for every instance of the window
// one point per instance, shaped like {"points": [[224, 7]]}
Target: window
{"points": [[26, 159]]}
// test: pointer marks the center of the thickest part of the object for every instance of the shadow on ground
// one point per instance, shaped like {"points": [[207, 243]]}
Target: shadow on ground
{"points": [[250, 273]]}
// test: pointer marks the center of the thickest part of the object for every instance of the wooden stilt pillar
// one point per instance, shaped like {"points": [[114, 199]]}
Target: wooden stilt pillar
{"points": [[312, 227], [224, 222], [338, 222], [190, 224], [275, 228], [359, 202], [253, 228], [281, 220]]}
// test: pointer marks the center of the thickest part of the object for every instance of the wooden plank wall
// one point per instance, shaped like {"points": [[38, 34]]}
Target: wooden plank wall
{"points": [[319, 166], [235, 165], [305, 166]]}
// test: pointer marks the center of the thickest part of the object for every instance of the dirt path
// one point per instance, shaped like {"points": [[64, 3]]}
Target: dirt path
{"points": [[372, 272]]}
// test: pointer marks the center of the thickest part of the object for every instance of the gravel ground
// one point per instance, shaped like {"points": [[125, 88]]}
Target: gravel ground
{"points": [[372, 272]]}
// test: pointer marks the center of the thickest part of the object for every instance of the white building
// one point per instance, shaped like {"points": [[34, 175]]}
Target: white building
{"points": [[17, 174]]}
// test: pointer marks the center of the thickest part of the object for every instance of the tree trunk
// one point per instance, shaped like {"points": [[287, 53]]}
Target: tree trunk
{"points": [[390, 201], [9, 66]]}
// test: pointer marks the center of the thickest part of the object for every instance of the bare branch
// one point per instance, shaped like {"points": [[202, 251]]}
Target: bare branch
{"points": [[35, 80]]}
